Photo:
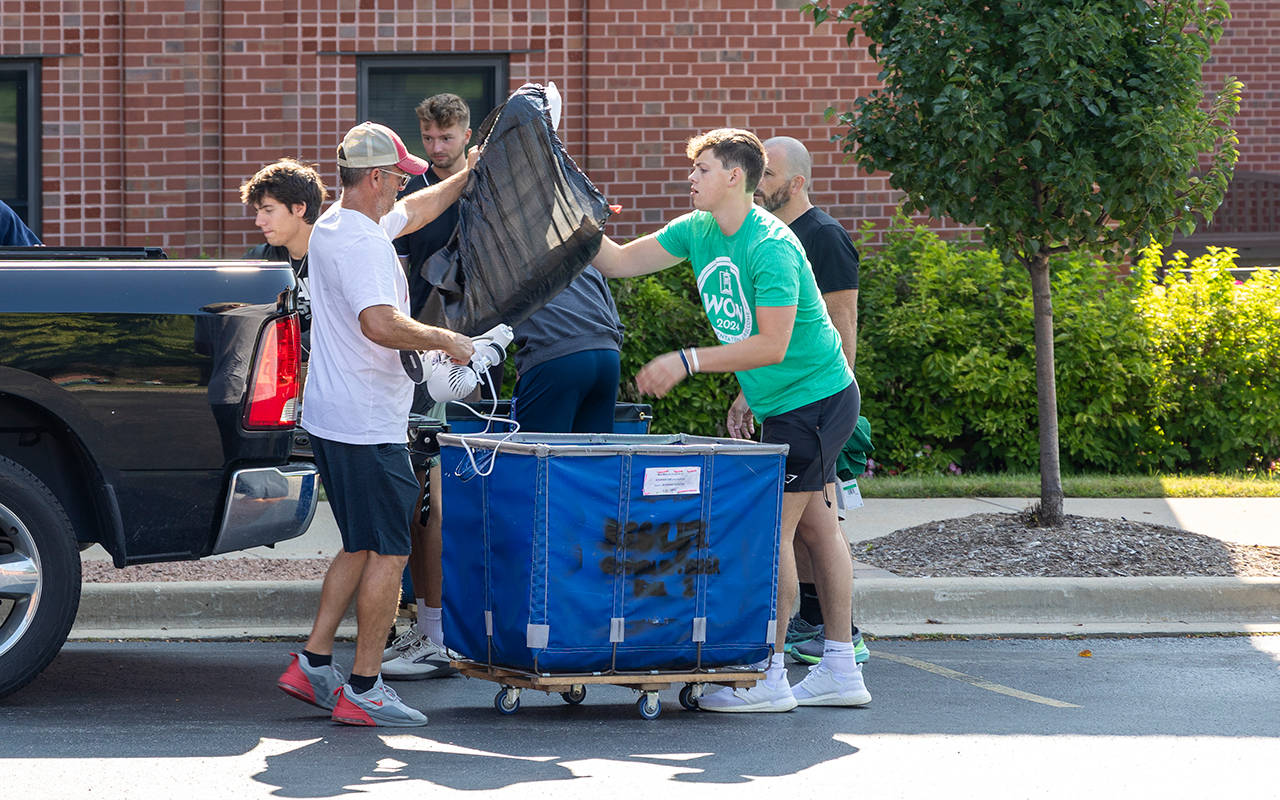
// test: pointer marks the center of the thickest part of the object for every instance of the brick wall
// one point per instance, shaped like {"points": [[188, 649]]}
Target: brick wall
{"points": [[155, 110]]}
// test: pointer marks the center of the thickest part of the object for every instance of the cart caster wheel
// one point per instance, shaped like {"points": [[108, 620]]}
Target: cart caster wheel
{"points": [[689, 697], [575, 695], [506, 701], [649, 706]]}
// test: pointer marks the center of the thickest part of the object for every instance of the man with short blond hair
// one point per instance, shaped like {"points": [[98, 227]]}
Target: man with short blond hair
{"points": [[358, 391], [763, 304]]}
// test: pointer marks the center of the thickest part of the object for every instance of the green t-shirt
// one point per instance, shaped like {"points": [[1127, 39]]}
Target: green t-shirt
{"points": [[763, 265]]}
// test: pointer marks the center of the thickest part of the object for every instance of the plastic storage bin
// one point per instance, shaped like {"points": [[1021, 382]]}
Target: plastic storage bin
{"points": [[586, 553]]}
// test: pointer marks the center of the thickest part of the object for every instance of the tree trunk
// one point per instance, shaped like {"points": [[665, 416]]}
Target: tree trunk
{"points": [[1046, 395]]}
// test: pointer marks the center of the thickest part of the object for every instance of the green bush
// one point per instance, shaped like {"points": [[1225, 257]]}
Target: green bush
{"points": [[1216, 353], [1171, 369], [1148, 377]]}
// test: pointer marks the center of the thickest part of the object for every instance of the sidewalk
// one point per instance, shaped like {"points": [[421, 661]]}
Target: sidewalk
{"points": [[884, 605]]}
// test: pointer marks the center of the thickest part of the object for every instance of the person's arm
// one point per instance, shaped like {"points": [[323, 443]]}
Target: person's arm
{"points": [[637, 257], [842, 307], [767, 346], [386, 326], [425, 205]]}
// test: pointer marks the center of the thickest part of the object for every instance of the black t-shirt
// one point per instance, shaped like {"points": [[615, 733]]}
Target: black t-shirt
{"points": [[424, 242], [830, 251], [268, 252]]}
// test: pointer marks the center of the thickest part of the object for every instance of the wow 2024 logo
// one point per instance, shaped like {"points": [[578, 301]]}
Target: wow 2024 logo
{"points": [[720, 285]]}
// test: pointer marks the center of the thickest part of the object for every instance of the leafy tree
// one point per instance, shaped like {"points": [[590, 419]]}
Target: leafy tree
{"points": [[1052, 125]]}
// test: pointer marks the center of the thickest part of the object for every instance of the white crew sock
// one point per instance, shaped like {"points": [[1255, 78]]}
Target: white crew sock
{"points": [[429, 622], [838, 656], [777, 668]]}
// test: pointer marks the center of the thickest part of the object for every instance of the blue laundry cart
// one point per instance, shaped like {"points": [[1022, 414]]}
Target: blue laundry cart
{"points": [[626, 559]]}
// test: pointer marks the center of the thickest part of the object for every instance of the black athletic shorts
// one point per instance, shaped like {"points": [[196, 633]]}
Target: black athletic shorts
{"points": [[372, 491], [817, 433]]}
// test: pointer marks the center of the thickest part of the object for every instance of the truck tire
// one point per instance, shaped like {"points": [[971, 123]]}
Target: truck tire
{"points": [[39, 576]]}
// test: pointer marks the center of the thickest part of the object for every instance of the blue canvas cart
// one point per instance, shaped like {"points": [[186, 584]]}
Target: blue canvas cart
{"points": [[641, 561]]}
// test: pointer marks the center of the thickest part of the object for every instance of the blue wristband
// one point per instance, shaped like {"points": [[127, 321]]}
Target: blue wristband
{"points": [[685, 361]]}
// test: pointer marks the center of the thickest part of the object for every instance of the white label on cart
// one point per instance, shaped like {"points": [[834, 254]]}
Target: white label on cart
{"points": [[851, 494], [672, 480]]}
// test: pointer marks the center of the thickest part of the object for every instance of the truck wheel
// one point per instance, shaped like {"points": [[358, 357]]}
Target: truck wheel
{"points": [[39, 576]]}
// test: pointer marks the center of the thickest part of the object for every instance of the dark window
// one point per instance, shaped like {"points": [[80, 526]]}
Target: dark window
{"points": [[391, 88], [20, 139], [1248, 220]]}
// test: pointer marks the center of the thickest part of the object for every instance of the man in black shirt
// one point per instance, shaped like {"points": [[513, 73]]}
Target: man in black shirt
{"points": [[784, 191], [286, 197], [445, 121]]}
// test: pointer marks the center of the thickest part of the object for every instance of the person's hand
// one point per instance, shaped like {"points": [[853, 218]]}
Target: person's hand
{"points": [[740, 422], [660, 375], [473, 155], [459, 347]]}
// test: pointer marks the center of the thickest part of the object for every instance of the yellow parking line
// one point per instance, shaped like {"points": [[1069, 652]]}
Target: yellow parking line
{"points": [[981, 683]]}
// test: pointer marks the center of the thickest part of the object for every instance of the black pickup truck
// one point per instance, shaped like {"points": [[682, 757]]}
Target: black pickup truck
{"points": [[147, 405]]}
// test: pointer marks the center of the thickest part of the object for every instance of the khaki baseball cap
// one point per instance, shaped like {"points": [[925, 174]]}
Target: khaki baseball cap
{"points": [[372, 145]]}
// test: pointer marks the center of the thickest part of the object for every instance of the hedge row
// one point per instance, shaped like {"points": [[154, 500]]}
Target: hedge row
{"points": [[1182, 375]]}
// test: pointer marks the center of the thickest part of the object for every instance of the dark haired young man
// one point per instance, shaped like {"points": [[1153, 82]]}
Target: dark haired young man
{"points": [[762, 301], [286, 197]]}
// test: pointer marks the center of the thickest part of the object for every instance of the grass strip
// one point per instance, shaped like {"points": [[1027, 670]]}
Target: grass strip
{"points": [[1027, 484]]}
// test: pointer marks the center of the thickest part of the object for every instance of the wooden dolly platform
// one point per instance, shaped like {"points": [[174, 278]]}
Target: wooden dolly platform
{"points": [[573, 686]]}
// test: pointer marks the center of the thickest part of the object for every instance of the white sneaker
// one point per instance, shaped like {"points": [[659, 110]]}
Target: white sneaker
{"points": [[401, 644], [422, 659], [763, 697], [826, 687]]}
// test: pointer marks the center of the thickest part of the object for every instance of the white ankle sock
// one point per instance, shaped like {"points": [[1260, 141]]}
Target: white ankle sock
{"points": [[838, 656], [429, 622], [777, 668]]}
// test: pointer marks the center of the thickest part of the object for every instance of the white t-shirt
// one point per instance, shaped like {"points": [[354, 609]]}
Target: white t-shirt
{"points": [[357, 392]]}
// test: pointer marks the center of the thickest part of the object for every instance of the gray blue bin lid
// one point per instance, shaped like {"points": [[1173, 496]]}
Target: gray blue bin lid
{"points": [[594, 444]]}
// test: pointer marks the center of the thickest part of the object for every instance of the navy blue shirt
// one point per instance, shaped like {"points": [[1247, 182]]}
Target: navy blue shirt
{"points": [[13, 233]]}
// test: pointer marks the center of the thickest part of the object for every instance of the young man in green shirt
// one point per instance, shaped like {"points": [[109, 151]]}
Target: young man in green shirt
{"points": [[763, 304]]}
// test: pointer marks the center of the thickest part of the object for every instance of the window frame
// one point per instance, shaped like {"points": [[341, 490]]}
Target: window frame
{"points": [[498, 62], [29, 140]]}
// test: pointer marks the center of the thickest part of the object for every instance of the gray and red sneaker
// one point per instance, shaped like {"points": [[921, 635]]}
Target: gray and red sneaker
{"points": [[318, 686], [379, 706]]}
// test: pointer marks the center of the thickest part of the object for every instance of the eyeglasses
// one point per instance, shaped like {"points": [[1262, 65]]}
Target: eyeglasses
{"points": [[400, 176]]}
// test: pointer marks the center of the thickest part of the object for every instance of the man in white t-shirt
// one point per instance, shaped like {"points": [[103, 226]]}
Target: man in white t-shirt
{"points": [[358, 392]]}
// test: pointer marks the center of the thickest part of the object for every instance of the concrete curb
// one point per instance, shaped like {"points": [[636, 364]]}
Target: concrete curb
{"points": [[199, 610], [882, 606], [1065, 606]]}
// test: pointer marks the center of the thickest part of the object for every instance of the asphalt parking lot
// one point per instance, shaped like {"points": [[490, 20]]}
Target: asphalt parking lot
{"points": [[981, 718]]}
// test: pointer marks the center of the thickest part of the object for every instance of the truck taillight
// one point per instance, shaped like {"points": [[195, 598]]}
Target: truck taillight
{"points": [[273, 390]]}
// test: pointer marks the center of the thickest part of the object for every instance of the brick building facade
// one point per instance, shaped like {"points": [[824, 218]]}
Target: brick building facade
{"points": [[151, 112]]}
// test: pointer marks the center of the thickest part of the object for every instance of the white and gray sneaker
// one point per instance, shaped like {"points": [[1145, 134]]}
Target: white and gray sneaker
{"points": [[422, 659], [763, 697], [826, 687], [401, 644]]}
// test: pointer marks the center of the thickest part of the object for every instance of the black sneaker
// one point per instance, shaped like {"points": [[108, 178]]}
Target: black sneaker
{"points": [[800, 630]]}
